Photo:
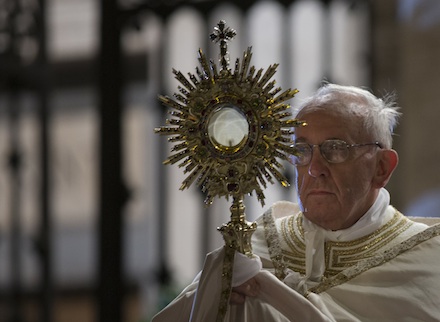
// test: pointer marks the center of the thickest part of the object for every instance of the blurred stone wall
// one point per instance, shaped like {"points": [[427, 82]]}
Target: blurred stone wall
{"points": [[406, 52]]}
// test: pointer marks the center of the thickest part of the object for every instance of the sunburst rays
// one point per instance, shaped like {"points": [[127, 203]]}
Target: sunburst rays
{"points": [[249, 167]]}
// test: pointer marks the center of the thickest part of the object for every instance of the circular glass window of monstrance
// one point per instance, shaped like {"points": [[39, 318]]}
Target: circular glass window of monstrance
{"points": [[228, 128]]}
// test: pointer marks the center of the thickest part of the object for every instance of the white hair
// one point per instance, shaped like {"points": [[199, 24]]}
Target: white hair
{"points": [[379, 116]]}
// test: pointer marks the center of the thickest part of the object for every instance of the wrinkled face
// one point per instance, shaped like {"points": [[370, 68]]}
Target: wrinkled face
{"points": [[335, 195]]}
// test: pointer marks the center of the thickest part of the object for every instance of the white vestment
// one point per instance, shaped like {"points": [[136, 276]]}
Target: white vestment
{"points": [[383, 268]]}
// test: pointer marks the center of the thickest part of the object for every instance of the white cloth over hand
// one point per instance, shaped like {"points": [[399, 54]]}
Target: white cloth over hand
{"points": [[275, 302]]}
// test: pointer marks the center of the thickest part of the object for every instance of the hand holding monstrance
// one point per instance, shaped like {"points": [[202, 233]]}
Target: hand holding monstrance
{"points": [[230, 128]]}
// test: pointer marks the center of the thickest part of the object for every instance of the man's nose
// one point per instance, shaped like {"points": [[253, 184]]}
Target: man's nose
{"points": [[318, 165]]}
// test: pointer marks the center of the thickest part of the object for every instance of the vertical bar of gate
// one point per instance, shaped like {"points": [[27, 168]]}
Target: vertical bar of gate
{"points": [[16, 285], [45, 229], [111, 188]]}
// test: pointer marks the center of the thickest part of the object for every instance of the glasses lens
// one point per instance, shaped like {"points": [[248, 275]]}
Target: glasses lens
{"points": [[304, 154], [335, 151]]}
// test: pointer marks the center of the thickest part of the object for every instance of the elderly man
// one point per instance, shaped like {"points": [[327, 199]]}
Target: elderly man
{"points": [[343, 253]]}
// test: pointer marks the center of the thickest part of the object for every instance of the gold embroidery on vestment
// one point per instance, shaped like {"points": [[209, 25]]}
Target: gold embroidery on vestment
{"points": [[338, 255], [293, 234], [273, 244], [288, 249], [376, 260]]}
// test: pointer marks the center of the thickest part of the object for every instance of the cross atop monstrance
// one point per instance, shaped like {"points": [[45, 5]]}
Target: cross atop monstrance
{"points": [[223, 34]]}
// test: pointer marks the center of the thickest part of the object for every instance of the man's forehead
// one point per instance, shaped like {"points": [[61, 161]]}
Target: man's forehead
{"points": [[330, 124]]}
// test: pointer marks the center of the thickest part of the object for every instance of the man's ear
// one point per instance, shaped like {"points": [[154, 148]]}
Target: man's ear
{"points": [[386, 163]]}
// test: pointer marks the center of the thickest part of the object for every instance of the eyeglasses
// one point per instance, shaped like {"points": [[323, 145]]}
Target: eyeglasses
{"points": [[333, 151]]}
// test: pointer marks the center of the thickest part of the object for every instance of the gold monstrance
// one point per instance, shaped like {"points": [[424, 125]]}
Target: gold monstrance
{"points": [[229, 129]]}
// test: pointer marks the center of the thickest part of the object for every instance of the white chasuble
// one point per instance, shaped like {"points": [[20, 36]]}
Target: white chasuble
{"points": [[384, 268]]}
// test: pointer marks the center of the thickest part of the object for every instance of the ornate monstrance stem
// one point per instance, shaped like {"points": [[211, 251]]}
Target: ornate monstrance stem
{"points": [[237, 235], [237, 232]]}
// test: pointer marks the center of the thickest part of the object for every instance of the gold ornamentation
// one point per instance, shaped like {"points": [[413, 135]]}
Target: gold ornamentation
{"points": [[229, 159], [227, 269], [293, 235], [378, 259], [230, 129], [339, 256], [274, 245]]}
